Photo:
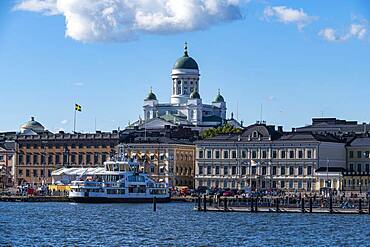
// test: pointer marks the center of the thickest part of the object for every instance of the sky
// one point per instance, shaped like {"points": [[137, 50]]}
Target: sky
{"points": [[297, 59]]}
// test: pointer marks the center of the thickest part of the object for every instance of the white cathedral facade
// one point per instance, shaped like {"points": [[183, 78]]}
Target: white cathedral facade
{"points": [[186, 106]]}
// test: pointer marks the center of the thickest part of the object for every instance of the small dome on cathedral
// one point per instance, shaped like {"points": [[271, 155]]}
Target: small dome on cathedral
{"points": [[219, 98], [186, 62], [32, 125], [194, 95], [151, 95]]}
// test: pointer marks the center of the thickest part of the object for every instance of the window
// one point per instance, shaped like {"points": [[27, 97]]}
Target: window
{"points": [[217, 154], [254, 170], [49, 173], [282, 154], [200, 154], [254, 154], [20, 172], [300, 154], [358, 167], [300, 185], [226, 170], [359, 154], [35, 159], [103, 157], [42, 173], [367, 168], [57, 159], [282, 170], [28, 159], [291, 170], [209, 170], [291, 154], [20, 159], [263, 184], [291, 184], [274, 154], [308, 185], [351, 154], [300, 170], [309, 154], [274, 170], [217, 170], [264, 154], [264, 170], [309, 170], [50, 159], [42, 158], [225, 184], [209, 154], [282, 184], [351, 167], [233, 154], [244, 154], [27, 173], [233, 170], [200, 170], [244, 170], [226, 154], [35, 173]]}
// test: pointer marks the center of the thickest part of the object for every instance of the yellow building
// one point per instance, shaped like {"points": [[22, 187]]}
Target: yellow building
{"points": [[357, 177], [164, 160]]}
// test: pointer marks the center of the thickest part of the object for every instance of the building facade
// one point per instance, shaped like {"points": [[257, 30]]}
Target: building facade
{"points": [[186, 106], [357, 175], [37, 155], [7, 149], [263, 158]]}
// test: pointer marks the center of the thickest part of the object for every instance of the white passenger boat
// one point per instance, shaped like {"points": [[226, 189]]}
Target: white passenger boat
{"points": [[120, 182]]}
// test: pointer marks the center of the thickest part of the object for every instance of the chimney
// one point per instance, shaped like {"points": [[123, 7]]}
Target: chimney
{"points": [[293, 129], [280, 129]]}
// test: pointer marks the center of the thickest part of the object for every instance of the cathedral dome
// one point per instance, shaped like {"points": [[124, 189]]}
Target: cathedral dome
{"points": [[186, 62], [33, 125], [194, 95], [151, 96], [219, 98]]}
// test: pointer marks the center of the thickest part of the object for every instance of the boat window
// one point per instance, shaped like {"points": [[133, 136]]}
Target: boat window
{"points": [[136, 178]]}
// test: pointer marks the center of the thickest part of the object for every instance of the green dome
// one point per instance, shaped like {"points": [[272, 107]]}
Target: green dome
{"points": [[151, 96], [194, 95], [186, 62], [219, 98]]}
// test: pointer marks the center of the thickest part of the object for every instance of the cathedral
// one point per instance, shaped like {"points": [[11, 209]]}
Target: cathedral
{"points": [[186, 106]]}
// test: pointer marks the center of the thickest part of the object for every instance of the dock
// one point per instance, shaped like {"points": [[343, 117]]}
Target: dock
{"points": [[279, 205]]}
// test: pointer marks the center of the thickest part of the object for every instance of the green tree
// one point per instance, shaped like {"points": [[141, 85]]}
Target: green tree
{"points": [[220, 130]]}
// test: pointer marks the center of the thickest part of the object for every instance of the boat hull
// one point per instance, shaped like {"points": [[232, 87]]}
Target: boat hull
{"points": [[118, 200]]}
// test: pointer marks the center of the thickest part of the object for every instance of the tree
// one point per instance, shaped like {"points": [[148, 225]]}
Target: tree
{"points": [[220, 130]]}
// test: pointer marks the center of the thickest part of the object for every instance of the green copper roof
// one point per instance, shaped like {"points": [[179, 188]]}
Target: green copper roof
{"points": [[194, 95], [186, 62], [219, 98], [151, 96]]}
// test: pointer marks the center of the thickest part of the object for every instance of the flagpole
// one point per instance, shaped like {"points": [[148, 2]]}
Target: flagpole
{"points": [[74, 122]]}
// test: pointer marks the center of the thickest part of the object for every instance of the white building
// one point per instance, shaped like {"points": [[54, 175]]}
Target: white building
{"points": [[263, 158], [186, 106]]}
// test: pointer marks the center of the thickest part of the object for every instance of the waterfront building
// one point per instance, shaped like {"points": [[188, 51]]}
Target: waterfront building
{"points": [[7, 149], [38, 152], [186, 106], [357, 175], [166, 154], [262, 157]]}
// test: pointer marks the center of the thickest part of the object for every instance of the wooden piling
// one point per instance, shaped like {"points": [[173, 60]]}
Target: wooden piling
{"points": [[154, 204], [225, 203], [199, 205], [330, 204], [360, 206], [252, 206], [302, 205], [277, 204], [310, 204], [256, 205], [205, 203]]}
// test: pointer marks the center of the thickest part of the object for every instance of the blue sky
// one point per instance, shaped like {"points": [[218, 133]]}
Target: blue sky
{"points": [[300, 67]]}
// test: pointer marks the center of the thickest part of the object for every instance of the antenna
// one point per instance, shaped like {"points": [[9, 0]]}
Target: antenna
{"points": [[261, 113], [237, 110]]}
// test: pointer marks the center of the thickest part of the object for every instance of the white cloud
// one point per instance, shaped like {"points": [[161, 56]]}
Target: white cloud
{"points": [[357, 31], [65, 121], [288, 16], [329, 34], [122, 20]]}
